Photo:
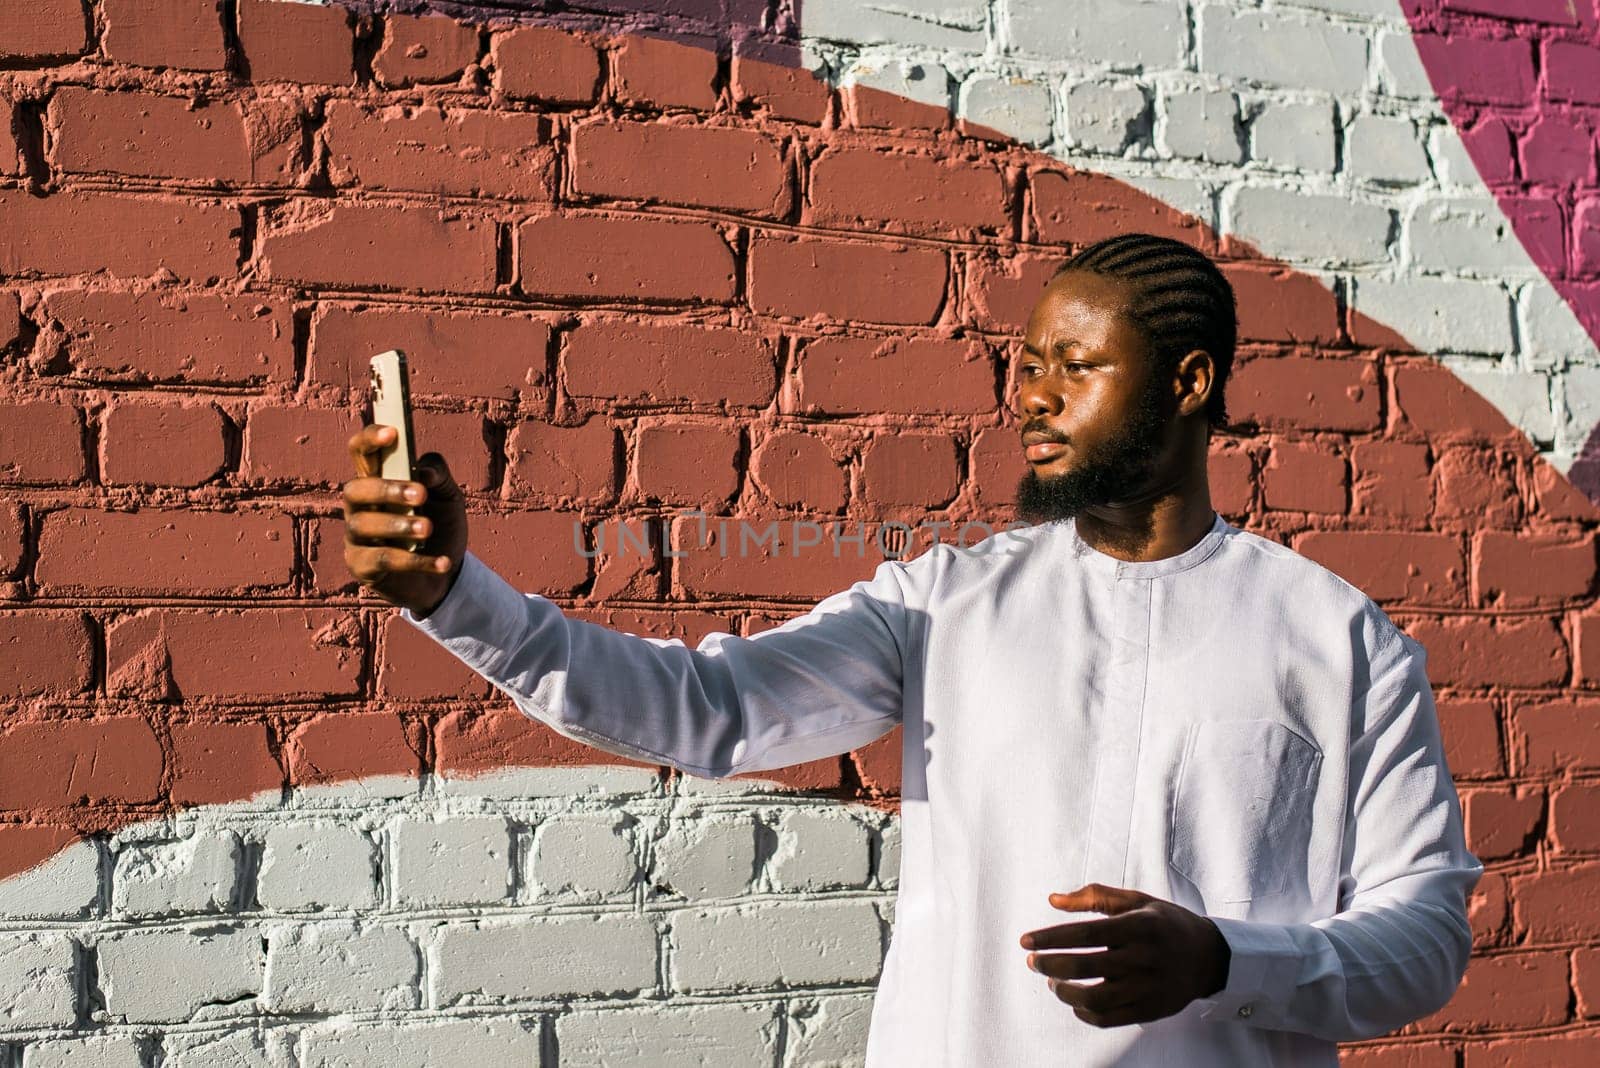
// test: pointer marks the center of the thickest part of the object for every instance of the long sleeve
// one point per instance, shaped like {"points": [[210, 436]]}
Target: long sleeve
{"points": [[820, 684], [1398, 945]]}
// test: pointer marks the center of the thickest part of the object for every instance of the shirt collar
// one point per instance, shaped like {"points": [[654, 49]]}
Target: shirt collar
{"points": [[1104, 563]]}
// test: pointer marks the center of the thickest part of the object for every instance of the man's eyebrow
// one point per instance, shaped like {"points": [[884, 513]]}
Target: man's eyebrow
{"points": [[1057, 349]]}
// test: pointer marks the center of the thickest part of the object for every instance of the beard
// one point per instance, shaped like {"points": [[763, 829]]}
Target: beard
{"points": [[1104, 474]]}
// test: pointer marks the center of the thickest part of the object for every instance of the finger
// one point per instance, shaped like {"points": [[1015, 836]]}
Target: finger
{"points": [[377, 528], [1107, 964], [1107, 931], [1117, 1017], [1098, 897], [368, 492], [434, 473], [1103, 997], [367, 443], [372, 562]]}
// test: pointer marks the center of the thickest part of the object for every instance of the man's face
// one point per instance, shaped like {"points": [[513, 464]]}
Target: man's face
{"points": [[1084, 387]]}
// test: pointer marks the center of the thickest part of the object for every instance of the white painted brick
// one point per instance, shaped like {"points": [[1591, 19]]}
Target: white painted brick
{"points": [[1125, 34], [1382, 149], [1202, 124], [819, 850], [1581, 404], [1452, 165], [1276, 48], [1294, 136], [923, 83], [1187, 195], [317, 866], [762, 946], [1440, 314], [588, 856], [116, 1051], [1464, 234], [1363, 9], [1103, 116], [566, 956], [585, 780], [686, 1036], [166, 976], [1551, 333], [479, 1042], [64, 887], [195, 874], [1523, 397], [889, 855], [828, 1032], [1014, 106], [241, 1049], [36, 981], [1310, 229], [706, 858], [452, 861], [341, 966], [956, 24], [1400, 69]]}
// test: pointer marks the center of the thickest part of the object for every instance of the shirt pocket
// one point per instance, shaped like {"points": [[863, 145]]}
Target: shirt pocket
{"points": [[1241, 815]]}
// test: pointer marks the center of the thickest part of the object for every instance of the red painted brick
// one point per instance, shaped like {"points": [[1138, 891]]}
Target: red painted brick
{"points": [[798, 470], [1503, 68], [166, 336], [453, 355], [1569, 68], [136, 444], [997, 465], [1002, 292], [82, 233], [1392, 566], [867, 375], [462, 439], [1488, 909], [1557, 11], [652, 72], [1391, 478], [80, 761], [544, 63], [847, 280], [1079, 208], [378, 247], [23, 845], [1558, 905], [296, 42], [468, 743], [1536, 1051], [1231, 474], [164, 33], [158, 551], [337, 747], [1408, 1056], [687, 464], [1471, 731], [12, 533], [257, 653], [414, 667], [40, 442], [855, 187], [907, 468], [737, 557], [631, 362], [626, 258], [1503, 823], [1304, 476], [10, 150], [1478, 484], [1557, 144], [1586, 649], [1586, 237], [1526, 989], [45, 652], [626, 561], [214, 763], [1488, 141], [1304, 393], [868, 108], [571, 463], [704, 166], [460, 151], [1278, 304], [1517, 569], [1475, 651], [768, 80], [879, 763], [421, 49], [531, 550], [1575, 818], [1556, 736], [299, 445], [43, 28], [10, 319], [1586, 980], [325, 556]]}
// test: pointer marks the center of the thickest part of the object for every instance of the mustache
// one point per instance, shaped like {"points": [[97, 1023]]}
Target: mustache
{"points": [[1043, 431]]}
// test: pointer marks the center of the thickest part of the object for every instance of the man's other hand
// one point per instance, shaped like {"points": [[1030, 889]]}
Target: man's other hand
{"points": [[1158, 956], [375, 534]]}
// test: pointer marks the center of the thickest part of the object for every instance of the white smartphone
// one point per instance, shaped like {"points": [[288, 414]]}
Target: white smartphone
{"points": [[391, 406]]}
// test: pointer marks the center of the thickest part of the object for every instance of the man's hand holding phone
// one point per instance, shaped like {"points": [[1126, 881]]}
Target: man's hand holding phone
{"points": [[376, 533]]}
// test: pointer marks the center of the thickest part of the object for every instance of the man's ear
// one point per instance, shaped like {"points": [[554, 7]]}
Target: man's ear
{"points": [[1193, 380]]}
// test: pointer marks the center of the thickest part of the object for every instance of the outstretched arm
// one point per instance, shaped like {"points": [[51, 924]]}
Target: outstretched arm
{"points": [[821, 684]]}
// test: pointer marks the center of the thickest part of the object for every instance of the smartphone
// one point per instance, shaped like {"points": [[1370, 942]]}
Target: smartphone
{"points": [[391, 406]]}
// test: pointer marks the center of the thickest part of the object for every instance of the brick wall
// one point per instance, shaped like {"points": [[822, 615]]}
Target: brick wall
{"points": [[767, 264]]}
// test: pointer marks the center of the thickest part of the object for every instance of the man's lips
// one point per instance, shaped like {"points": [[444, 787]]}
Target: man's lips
{"points": [[1045, 450]]}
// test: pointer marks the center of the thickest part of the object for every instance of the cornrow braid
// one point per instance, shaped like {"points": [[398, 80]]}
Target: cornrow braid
{"points": [[1177, 297]]}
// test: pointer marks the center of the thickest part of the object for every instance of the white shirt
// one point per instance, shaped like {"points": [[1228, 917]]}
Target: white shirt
{"points": [[1233, 728]]}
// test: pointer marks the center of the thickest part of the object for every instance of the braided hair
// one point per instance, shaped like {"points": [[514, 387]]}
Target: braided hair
{"points": [[1178, 299]]}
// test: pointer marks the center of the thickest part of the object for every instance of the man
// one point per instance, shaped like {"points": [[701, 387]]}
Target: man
{"points": [[1229, 755]]}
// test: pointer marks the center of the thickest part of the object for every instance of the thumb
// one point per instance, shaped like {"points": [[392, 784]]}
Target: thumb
{"points": [[1097, 897]]}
